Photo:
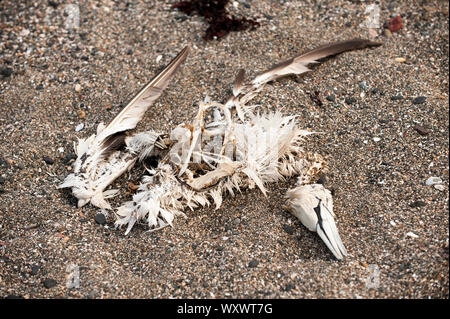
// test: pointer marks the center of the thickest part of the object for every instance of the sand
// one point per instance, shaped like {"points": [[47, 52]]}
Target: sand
{"points": [[380, 142]]}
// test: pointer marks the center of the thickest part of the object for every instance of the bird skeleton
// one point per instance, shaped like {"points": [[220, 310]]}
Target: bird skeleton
{"points": [[226, 147]]}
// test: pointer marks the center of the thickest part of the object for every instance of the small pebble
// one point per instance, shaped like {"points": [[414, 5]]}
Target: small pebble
{"points": [[53, 4], [331, 98], [433, 180], [49, 283], [34, 270], [100, 219], [376, 139], [253, 263], [350, 100], [393, 223], [158, 58], [289, 287], [77, 88], [48, 160], [39, 87], [419, 100], [81, 114], [6, 72], [387, 33], [288, 229], [396, 97], [439, 187], [363, 85], [395, 24], [79, 127], [412, 235], [417, 203], [422, 130], [400, 60]]}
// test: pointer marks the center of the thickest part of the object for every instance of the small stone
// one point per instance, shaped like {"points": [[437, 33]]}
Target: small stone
{"points": [[417, 203], [412, 235], [49, 283], [419, 100], [288, 229], [396, 97], [48, 160], [433, 180], [53, 4], [100, 219], [24, 32], [158, 58], [79, 127], [394, 24], [253, 263], [439, 187], [376, 139], [34, 270], [387, 33], [289, 287], [81, 114], [422, 130], [393, 223], [363, 85], [77, 88], [331, 98], [6, 72], [39, 87], [108, 106], [400, 60], [350, 100]]}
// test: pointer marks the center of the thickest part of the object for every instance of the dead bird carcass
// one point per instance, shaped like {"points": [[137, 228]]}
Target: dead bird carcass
{"points": [[226, 147]]}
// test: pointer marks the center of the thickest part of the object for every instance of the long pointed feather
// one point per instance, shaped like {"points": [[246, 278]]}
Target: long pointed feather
{"points": [[134, 111], [297, 65]]}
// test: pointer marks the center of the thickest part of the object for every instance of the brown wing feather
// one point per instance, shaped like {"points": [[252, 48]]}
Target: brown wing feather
{"points": [[143, 99], [297, 65]]}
